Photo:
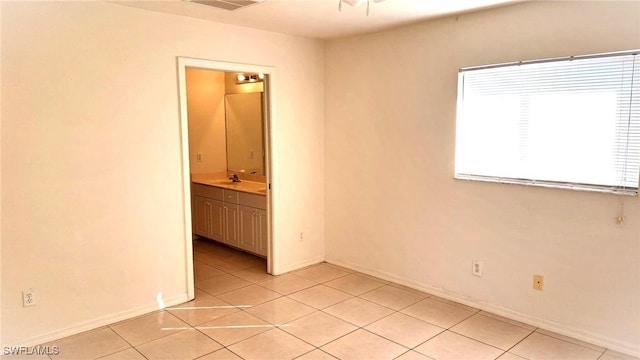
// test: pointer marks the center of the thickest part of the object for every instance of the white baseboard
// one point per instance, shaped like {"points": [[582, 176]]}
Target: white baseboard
{"points": [[297, 266], [595, 339], [98, 322]]}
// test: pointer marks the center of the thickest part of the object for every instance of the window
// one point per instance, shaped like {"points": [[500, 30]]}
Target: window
{"points": [[569, 123]]}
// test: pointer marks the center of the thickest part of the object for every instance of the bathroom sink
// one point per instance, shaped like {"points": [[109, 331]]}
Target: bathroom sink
{"points": [[224, 182], [245, 185]]}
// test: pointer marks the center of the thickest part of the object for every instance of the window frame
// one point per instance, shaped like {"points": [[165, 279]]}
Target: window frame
{"points": [[616, 189]]}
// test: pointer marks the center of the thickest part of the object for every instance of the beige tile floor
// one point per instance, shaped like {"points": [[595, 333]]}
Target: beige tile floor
{"points": [[319, 312]]}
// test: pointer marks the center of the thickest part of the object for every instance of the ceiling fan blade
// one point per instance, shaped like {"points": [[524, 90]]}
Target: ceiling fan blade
{"points": [[354, 2]]}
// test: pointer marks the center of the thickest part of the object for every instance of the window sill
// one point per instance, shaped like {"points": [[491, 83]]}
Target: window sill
{"points": [[551, 184]]}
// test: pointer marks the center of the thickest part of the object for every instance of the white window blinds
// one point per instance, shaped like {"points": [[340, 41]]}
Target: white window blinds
{"points": [[571, 123]]}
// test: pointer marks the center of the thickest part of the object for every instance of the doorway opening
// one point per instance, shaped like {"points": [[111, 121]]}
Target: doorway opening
{"points": [[220, 142]]}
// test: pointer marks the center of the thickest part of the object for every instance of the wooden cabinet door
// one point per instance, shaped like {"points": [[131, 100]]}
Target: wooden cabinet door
{"points": [[200, 220], [231, 225], [216, 220], [240, 226], [246, 233], [261, 231]]}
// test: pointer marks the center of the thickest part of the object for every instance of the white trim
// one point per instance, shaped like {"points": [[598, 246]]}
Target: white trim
{"points": [[186, 177], [550, 184], [556, 59], [183, 63], [613, 344], [267, 104], [99, 322], [300, 265]]}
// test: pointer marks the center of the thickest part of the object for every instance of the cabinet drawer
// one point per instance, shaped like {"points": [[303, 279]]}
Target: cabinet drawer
{"points": [[253, 200], [210, 192], [230, 196]]}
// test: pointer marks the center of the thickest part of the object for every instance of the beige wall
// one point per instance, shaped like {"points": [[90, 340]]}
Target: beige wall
{"points": [[91, 174], [205, 106], [206, 90], [394, 209]]}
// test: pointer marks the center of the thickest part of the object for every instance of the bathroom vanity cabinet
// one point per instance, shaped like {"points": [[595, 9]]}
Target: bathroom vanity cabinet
{"points": [[208, 217], [236, 218], [253, 229]]}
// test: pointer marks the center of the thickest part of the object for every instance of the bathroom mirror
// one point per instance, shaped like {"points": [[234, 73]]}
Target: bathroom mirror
{"points": [[245, 133]]}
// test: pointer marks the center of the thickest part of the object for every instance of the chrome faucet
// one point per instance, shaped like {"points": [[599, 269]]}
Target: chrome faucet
{"points": [[235, 178]]}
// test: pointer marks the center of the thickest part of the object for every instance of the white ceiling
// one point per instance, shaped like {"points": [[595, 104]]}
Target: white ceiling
{"points": [[319, 18]]}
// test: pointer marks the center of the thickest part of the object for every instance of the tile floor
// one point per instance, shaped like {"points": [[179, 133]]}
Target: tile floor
{"points": [[319, 312]]}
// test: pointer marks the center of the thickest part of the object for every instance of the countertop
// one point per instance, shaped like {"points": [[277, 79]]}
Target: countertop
{"points": [[247, 186]]}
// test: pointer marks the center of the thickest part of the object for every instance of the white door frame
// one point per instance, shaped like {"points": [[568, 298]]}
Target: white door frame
{"points": [[183, 64]]}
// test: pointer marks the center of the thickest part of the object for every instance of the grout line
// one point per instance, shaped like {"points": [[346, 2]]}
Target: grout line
{"points": [[323, 282], [570, 342], [517, 343], [359, 296], [476, 340], [125, 340]]}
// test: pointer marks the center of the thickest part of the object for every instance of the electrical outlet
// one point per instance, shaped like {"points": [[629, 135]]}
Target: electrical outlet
{"points": [[301, 235], [199, 157], [538, 282], [28, 297], [476, 268]]}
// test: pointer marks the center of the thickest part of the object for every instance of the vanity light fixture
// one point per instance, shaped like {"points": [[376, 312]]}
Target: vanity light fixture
{"points": [[249, 78]]}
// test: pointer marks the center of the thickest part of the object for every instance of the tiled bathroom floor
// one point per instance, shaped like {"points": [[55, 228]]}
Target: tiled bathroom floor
{"points": [[319, 312]]}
